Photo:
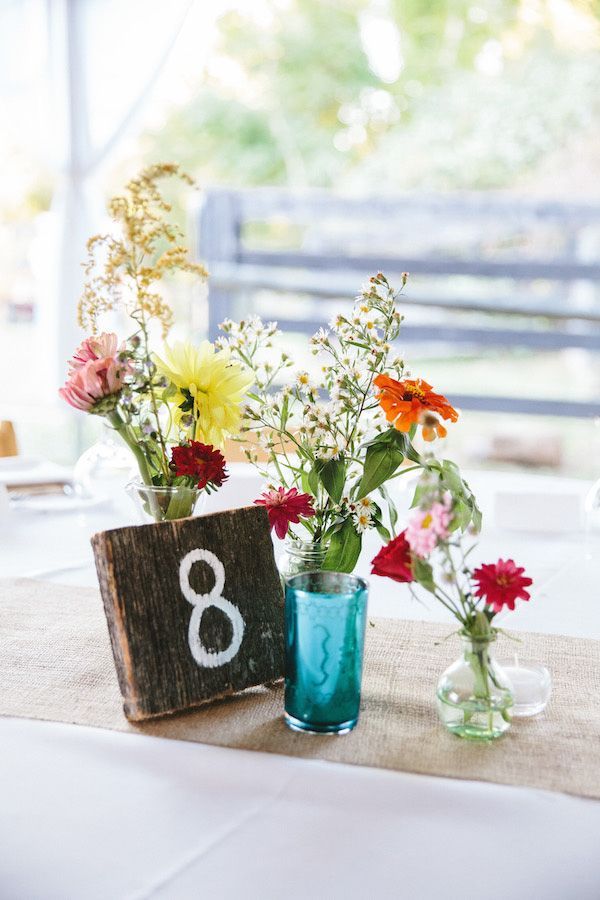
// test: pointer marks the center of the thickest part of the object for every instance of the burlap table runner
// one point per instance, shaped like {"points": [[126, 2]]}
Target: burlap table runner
{"points": [[56, 664]]}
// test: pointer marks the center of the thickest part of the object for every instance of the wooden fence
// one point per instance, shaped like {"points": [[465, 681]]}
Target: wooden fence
{"points": [[499, 271]]}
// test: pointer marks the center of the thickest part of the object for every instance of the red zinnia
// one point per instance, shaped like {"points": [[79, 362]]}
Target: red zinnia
{"points": [[285, 507], [394, 560], [202, 462], [501, 584]]}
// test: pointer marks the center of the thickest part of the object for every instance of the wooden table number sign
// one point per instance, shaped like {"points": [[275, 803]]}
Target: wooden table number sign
{"points": [[194, 609]]}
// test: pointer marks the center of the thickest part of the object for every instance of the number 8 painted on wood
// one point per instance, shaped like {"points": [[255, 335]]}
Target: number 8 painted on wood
{"points": [[209, 659]]}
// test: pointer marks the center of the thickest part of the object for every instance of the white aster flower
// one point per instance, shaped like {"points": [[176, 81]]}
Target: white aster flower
{"points": [[321, 337], [271, 403], [324, 453], [305, 382], [265, 440], [337, 323], [362, 520], [366, 504]]}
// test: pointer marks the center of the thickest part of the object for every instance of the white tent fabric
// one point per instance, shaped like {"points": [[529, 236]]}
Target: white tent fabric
{"points": [[121, 48]]}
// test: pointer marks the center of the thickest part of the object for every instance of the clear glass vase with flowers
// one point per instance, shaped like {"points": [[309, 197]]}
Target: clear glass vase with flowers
{"points": [[474, 695], [174, 409], [328, 445]]}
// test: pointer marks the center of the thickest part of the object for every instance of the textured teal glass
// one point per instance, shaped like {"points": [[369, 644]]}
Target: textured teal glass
{"points": [[325, 617]]}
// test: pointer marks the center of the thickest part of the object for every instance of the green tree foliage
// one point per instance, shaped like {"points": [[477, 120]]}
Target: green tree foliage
{"points": [[481, 94]]}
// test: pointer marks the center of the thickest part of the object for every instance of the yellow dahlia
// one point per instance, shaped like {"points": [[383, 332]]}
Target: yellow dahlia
{"points": [[209, 386]]}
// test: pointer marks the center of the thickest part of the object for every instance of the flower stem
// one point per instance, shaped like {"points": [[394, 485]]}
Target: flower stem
{"points": [[121, 428]]}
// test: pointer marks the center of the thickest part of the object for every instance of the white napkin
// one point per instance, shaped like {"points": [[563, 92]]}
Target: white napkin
{"points": [[554, 512]]}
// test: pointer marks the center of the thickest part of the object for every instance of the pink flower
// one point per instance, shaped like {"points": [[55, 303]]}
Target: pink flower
{"points": [[285, 507], [441, 515], [94, 348], [95, 372], [92, 382], [501, 584], [427, 526], [420, 534]]}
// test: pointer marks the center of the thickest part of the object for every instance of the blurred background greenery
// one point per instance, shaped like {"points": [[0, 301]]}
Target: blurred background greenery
{"points": [[421, 94]]}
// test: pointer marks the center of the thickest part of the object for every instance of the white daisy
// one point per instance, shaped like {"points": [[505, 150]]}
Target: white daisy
{"points": [[362, 520]]}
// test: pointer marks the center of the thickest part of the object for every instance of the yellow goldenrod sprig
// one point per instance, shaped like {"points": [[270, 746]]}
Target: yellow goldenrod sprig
{"points": [[119, 272]]}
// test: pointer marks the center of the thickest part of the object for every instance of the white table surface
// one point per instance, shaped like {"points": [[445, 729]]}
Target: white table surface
{"points": [[94, 814]]}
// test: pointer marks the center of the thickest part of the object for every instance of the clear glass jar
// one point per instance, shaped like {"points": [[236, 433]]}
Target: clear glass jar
{"points": [[105, 468], [474, 695], [300, 556], [162, 504]]}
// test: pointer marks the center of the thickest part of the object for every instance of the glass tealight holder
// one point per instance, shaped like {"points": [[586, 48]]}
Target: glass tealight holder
{"points": [[325, 618], [531, 686]]}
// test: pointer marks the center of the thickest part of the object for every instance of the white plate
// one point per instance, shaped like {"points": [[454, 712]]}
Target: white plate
{"points": [[58, 503], [25, 463]]}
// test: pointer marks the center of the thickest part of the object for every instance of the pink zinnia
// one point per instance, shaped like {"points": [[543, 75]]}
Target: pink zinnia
{"points": [[501, 584], [284, 507], [94, 348], [420, 534], [426, 527], [441, 515]]}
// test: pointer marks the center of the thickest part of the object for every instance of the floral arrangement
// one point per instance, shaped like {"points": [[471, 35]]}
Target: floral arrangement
{"points": [[175, 409], [432, 552], [332, 444], [474, 596]]}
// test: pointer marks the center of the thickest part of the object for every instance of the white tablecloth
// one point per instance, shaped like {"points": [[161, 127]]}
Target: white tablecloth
{"points": [[88, 813]]}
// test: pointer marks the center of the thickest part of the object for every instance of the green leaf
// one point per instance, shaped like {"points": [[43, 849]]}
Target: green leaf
{"points": [[465, 503], [451, 477], [421, 490], [344, 549], [381, 461], [392, 511], [384, 437], [285, 411], [305, 481], [423, 573], [413, 455], [462, 515], [332, 475], [391, 506], [383, 532], [312, 481], [333, 529]]}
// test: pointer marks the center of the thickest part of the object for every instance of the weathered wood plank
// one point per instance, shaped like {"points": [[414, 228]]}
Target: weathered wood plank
{"points": [[311, 205], [341, 286], [527, 406], [516, 269], [194, 609]]}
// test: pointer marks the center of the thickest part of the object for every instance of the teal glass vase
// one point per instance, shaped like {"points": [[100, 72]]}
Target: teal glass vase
{"points": [[325, 618]]}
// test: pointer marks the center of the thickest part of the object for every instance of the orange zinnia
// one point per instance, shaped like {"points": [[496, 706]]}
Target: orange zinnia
{"points": [[407, 403]]}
